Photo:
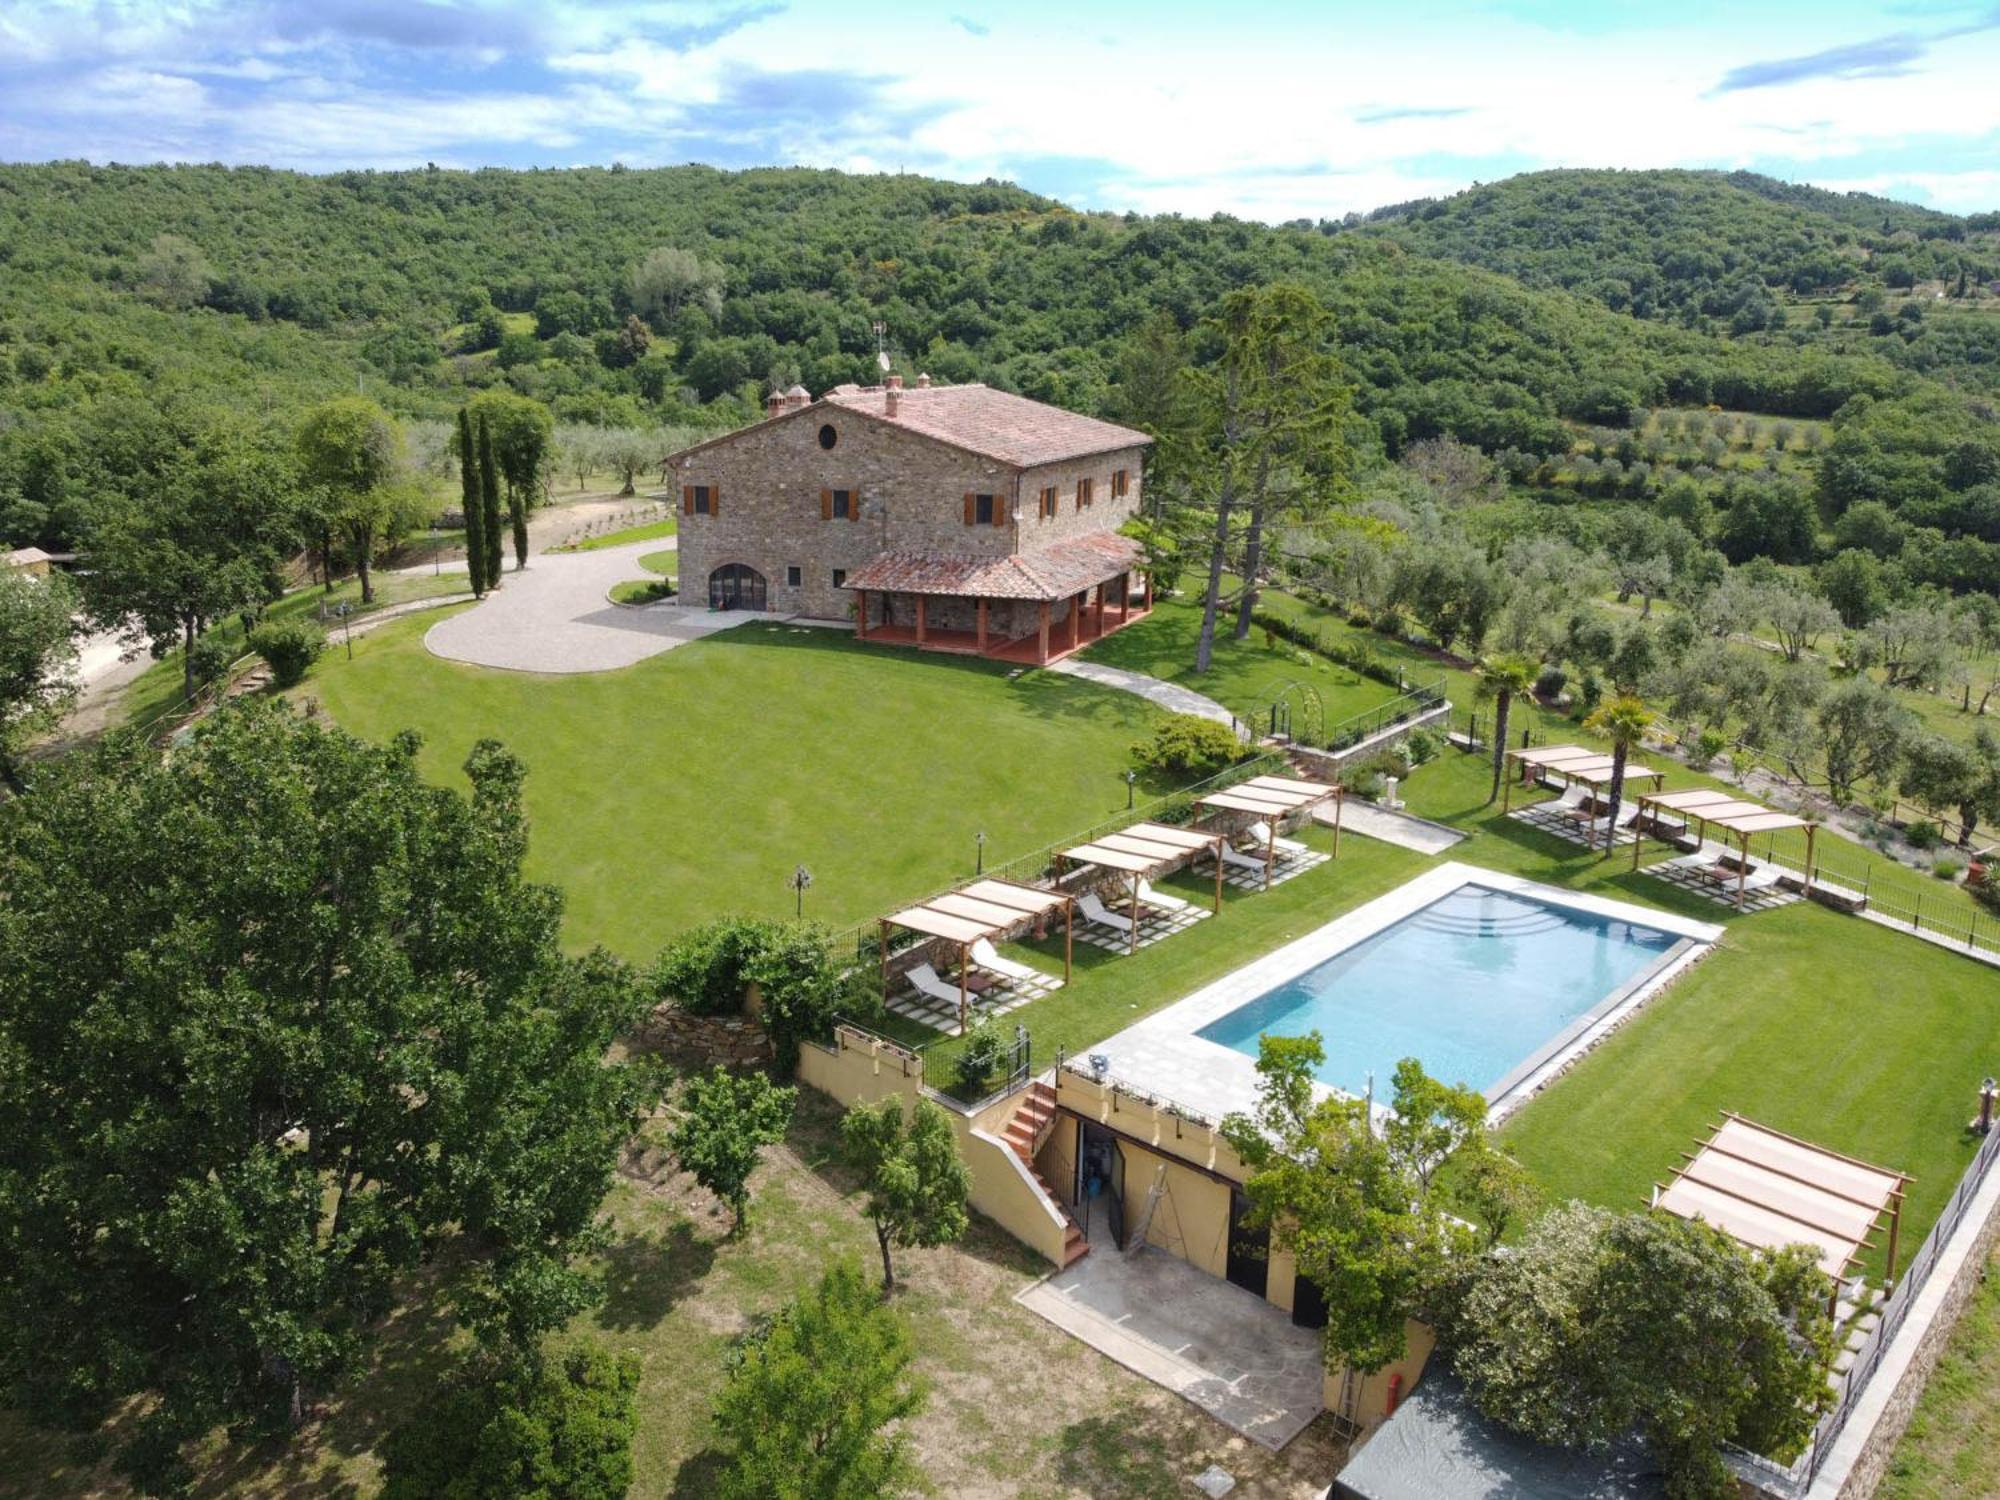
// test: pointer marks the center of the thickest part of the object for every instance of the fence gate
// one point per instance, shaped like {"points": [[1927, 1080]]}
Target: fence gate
{"points": [[1018, 1055]]}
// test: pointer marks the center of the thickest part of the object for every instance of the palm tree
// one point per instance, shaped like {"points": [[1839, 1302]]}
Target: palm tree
{"points": [[1502, 678], [1624, 721]]}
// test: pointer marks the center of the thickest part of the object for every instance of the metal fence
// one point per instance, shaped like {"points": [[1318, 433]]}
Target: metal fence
{"points": [[1412, 704], [1926, 905], [1795, 1479]]}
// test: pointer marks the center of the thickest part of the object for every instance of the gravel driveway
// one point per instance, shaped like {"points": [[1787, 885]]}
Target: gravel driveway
{"points": [[557, 617]]}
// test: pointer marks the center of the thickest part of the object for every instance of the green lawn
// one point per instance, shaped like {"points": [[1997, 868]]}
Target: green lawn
{"points": [[692, 784], [1947, 1453], [665, 562], [1244, 676], [642, 590], [652, 531]]}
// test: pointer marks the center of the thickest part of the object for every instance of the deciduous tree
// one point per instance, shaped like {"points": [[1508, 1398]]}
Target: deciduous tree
{"points": [[1862, 731], [37, 662], [350, 456], [804, 1414], [726, 1120], [1944, 776], [917, 1186], [311, 1029]]}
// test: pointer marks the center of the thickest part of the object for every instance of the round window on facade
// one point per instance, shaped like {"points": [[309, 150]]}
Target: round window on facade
{"points": [[827, 436]]}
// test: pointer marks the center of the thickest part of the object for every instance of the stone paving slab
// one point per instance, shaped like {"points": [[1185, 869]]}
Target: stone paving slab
{"points": [[1229, 1351], [1391, 827], [556, 616]]}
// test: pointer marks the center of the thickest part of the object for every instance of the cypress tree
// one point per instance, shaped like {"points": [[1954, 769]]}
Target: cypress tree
{"points": [[471, 504], [517, 506], [489, 495]]}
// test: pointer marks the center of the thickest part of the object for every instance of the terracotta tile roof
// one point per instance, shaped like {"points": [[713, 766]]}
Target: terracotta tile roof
{"points": [[1048, 573], [994, 424]]}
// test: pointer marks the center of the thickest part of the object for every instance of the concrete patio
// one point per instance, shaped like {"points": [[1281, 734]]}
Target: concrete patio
{"points": [[1230, 1352]]}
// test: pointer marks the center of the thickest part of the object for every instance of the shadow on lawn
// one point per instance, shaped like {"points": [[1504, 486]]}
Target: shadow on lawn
{"points": [[698, 1477], [645, 1275]]}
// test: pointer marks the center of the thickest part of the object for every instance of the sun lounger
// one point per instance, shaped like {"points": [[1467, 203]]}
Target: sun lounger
{"points": [[1094, 910], [1263, 834], [1627, 811], [1160, 900], [927, 982], [1231, 855], [1760, 878], [1571, 800], [1708, 857], [984, 954]]}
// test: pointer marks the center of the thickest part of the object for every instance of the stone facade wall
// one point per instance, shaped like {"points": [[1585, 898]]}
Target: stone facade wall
{"points": [[1104, 513], [735, 1042], [911, 492]]}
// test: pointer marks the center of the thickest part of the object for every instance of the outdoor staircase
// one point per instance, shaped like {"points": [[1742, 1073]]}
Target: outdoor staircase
{"points": [[1027, 1130]]}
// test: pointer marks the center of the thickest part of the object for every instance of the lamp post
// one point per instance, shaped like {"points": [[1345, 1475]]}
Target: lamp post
{"points": [[345, 611], [979, 844], [1131, 780], [437, 553], [1987, 1090], [801, 878]]}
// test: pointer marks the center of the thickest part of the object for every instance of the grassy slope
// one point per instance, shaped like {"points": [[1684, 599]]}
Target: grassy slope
{"points": [[1947, 1453], [649, 532], [690, 785]]}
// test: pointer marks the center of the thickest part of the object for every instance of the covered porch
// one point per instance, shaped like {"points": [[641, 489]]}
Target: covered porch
{"points": [[1031, 609]]}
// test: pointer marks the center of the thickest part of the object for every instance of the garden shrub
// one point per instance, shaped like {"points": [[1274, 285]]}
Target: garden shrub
{"points": [[559, 1429], [704, 969], [1923, 834], [1947, 868], [1423, 746], [1189, 744], [1708, 744], [209, 660], [289, 648], [1550, 681], [976, 1063]]}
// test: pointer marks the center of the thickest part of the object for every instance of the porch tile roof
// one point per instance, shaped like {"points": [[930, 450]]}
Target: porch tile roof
{"points": [[1050, 573]]}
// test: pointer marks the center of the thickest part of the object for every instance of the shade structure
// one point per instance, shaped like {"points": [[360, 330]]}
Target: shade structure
{"points": [[1768, 1190], [1734, 815], [984, 909], [1143, 851], [1270, 798], [1574, 763]]}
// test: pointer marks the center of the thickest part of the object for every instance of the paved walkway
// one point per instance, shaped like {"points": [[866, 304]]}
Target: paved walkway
{"points": [[1227, 1350], [557, 617], [1168, 695], [1402, 829]]}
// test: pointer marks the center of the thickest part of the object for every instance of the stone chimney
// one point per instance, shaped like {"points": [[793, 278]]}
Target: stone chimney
{"points": [[797, 397], [924, 382], [892, 395], [774, 403]]}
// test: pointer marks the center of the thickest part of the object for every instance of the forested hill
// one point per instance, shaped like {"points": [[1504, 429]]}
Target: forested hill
{"points": [[1734, 249], [261, 287]]}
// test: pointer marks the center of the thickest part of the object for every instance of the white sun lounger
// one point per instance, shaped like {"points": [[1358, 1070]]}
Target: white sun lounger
{"points": [[1231, 855], [985, 955], [1094, 910], [1263, 833], [1627, 811], [927, 982], [1160, 899], [1760, 878], [1570, 800], [1709, 856]]}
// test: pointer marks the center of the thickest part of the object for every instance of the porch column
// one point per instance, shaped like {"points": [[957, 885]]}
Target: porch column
{"points": [[982, 627], [1124, 597], [1042, 632], [1076, 618], [861, 614], [920, 619], [1099, 627]]}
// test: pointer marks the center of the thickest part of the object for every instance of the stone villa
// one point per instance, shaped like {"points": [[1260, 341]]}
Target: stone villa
{"points": [[951, 517]]}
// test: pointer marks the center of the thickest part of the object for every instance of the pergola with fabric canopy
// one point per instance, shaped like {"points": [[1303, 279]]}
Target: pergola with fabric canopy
{"points": [[1767, 1190], [1271, 798], [1143, 851], [1727, 811], [1594, 768], [984, 909]]}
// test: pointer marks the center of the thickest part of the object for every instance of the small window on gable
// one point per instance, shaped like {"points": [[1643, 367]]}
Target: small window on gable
{"points": [[982, 510], [1121, 483], [827, 436], [793, 576], [1048, 507], [840, 578], [1082, 493]]}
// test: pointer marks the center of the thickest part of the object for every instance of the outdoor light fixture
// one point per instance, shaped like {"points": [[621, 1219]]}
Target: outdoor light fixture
{"points": [[979, 840], [1100, 1064], [1131, 780]]}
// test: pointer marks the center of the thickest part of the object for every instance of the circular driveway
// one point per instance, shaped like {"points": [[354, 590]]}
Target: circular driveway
{"points": [[557, 617]]}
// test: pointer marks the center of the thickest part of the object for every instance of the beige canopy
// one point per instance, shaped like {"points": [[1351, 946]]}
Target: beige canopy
{"points": [[1143, 851], [1730, 813], [984, 909], [1592, 767], [1270, 798], [1767, 1190]]}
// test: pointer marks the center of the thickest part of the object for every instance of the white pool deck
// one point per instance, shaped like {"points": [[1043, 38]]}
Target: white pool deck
{"points": [[1165, 1055]]}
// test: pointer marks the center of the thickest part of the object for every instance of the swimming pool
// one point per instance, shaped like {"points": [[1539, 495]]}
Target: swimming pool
{"points": [[1481, 985]]}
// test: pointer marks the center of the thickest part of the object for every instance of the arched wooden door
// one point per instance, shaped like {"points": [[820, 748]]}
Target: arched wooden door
{"points": [[736, 586]]}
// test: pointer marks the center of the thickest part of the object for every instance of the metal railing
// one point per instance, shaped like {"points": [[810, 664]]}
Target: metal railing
{"points": [[1121, 1089], [1411, 704]]}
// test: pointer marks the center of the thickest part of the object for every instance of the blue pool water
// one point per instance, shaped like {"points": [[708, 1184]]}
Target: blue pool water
{"points": [[1473, 985]]}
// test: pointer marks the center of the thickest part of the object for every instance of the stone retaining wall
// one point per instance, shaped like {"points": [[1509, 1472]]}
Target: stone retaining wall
{"points": [[735, 1042]]}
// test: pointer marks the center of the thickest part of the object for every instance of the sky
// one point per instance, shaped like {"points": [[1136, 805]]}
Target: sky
{"points": [[1270, 111]]}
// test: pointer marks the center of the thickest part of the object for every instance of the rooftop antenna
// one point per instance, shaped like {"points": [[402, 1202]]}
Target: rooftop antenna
{"points": [[881, 352]]}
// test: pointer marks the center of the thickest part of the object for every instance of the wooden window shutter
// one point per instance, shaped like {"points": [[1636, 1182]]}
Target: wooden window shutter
{"points": [[999, 510], [826, 505], [969, 504], [687, 499], [714, 500]]}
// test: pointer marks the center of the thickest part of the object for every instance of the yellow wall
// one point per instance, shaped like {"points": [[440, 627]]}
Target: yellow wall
{"points": [[860, 1068], [1371, 1392]]}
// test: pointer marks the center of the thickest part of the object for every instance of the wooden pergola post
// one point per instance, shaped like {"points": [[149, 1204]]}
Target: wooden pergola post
{"points": [[980, 611], [1742, 866], [1133, 945], [884, 924], [1895, 1232], [1042, 633], [1638, 831], [1149, 589], [1339, 801], [1069, 932], [1270, 847], [964, 962], [920, 619], [1218, 875]]}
